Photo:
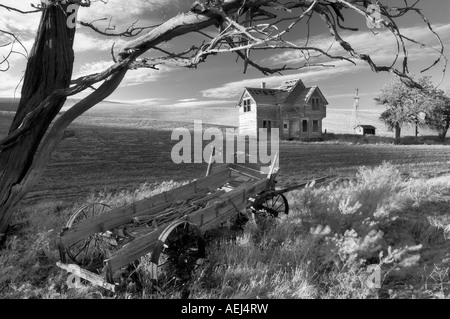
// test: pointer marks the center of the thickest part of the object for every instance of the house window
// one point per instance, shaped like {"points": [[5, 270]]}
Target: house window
{"points": [[267, 124], [285, 125], [315, 103], [305, 126], [315, 127], [247, 107]]}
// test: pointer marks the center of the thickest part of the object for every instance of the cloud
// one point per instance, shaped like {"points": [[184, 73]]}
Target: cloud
{"points": [[142, 101], [141, 76], [87, 42], [313, 74], [133, 77], [93, 67], [381, 46], [17, 22], [187, 100], [202, 103], [8, 85], [121, 10], [350, 95]]}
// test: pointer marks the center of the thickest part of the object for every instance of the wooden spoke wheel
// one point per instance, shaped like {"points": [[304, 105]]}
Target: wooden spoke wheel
{"points": [[178, 253], [269, 208], [90, 250]]}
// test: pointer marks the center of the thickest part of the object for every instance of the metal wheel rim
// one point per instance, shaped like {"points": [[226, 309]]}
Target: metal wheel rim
{"points": [[178, 253], [272, 208], [80, 251]]}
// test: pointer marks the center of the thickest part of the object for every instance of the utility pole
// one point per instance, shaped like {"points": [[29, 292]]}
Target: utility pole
{"points": [[355, 116]]}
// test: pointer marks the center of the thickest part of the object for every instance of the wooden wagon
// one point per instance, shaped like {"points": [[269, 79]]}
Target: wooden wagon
{"points": [[97, 241]]}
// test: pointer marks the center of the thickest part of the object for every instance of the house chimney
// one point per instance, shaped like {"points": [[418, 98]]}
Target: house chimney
{"points": [[263, 85]]}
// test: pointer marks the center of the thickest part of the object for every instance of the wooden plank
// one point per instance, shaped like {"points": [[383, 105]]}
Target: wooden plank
{"points": [[218, 167], [134, 250], [247, 171], [221, 211], [205, 218], [122, 215], [87, 275]]}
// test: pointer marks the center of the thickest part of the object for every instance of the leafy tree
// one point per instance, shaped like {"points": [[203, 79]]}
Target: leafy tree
{"points": [[438, 112], [234, 26], [401, 106], [423, 106]]}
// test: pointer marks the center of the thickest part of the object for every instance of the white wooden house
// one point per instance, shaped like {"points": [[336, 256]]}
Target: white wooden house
{"points": [[293, 108]]}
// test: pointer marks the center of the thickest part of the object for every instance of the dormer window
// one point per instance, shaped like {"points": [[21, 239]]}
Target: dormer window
{"points": [[315, 103], [247, 107]]}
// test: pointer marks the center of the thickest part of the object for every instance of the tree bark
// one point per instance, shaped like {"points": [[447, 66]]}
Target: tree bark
{"points": [[397, 133], [444, 131], [49, 67]]}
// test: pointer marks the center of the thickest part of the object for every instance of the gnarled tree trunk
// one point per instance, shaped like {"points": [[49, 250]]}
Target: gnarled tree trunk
{"points": [[49, 67]]}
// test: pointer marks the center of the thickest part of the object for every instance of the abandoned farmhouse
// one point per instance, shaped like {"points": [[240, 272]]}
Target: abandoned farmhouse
{"points": [[293, 108]]}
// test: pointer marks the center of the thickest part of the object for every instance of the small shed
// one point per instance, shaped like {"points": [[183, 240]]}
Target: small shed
{"points": [[365, 130]]}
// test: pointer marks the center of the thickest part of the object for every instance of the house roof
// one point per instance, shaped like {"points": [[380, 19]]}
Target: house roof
{"points": [[261, 95], [290, 90], [366, 126], [287, 92]]}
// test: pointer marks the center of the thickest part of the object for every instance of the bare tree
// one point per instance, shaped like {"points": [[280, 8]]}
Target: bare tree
{"points": [[241, 26]]}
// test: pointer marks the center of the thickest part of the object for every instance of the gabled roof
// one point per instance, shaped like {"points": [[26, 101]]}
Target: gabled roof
{"points": [[261, 95], [287, 92], [291, 89], [317, 90], [366, 126]]}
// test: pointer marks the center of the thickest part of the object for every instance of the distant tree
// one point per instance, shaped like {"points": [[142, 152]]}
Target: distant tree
{"points": [[401, 106], [438, 114], [234, 26], [422, 106]]}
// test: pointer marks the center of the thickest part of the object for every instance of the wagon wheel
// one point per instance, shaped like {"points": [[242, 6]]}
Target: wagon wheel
{"points": [[270, 208], [180, 250], [91, 249]]}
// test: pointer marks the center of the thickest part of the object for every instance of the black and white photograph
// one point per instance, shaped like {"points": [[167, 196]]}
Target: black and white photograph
{"points": [[226, 155]]}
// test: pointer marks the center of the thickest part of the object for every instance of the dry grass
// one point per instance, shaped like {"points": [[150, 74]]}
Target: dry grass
{"points": [[321, 251]]}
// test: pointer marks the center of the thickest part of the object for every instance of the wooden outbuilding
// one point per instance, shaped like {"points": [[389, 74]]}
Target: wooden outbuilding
{"points": [[365, 129]]}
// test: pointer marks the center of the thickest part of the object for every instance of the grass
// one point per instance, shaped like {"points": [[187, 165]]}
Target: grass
{"points": [[117, 154], [322, 251], [332, 234]]}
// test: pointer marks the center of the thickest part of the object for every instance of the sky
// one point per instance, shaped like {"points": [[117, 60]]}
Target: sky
{"points": [[220, 80]]}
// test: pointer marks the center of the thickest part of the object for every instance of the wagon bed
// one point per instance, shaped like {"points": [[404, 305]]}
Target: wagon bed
{"points": [[97, 242]]}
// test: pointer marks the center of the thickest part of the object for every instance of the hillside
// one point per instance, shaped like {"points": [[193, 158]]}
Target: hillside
{"points": [[148, 116]]}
